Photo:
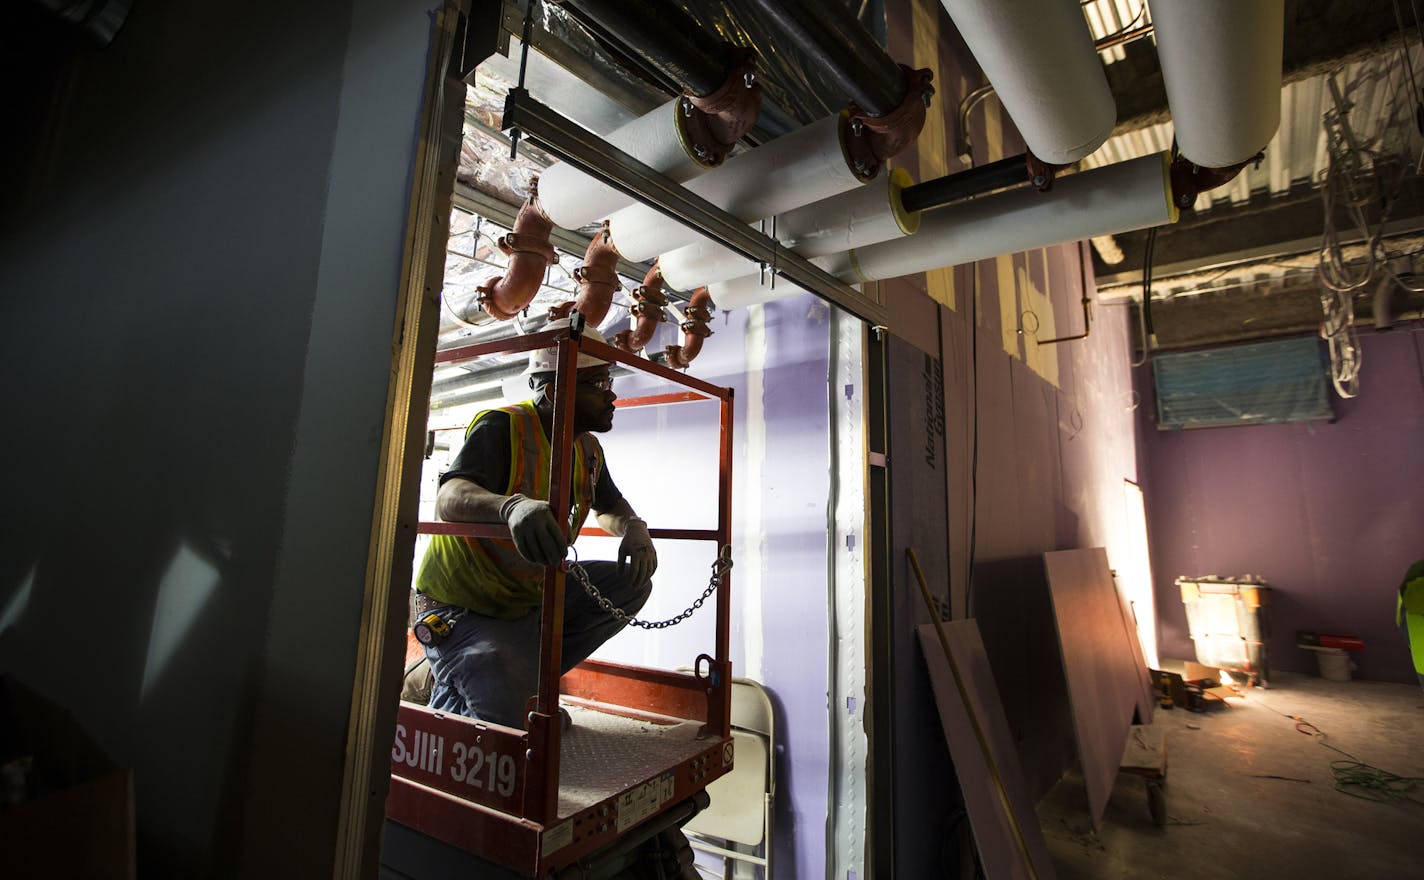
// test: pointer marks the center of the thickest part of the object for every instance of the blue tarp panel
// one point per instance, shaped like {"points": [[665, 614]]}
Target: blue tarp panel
{"points": [[1263, 383]]}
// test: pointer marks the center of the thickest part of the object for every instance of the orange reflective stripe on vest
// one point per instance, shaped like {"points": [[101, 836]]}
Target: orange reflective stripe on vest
{"points": [[487, 574]]}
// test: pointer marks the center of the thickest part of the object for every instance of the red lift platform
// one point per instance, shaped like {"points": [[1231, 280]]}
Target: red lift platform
{"points": [[644, 741]]}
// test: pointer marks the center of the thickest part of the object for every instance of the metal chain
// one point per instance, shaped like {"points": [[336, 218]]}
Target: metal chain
{"points": [[720, 567]]}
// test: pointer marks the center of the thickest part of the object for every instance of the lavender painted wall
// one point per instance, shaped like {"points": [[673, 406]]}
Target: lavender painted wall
{"points": [[1330, 515], [776, 358]]}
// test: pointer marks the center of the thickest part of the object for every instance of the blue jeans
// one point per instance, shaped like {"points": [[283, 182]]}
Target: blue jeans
{"points": [[488, 668]]}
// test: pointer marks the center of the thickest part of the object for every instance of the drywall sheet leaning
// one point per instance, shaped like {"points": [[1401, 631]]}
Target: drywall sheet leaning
{"points": [[1006, 829], [1098, 663], [1145, 699]]}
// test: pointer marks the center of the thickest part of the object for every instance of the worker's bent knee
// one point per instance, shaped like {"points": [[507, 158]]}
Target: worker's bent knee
{"points": [[638, 596]]}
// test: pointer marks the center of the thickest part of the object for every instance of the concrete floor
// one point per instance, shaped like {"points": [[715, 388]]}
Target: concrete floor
{"points": [[1225, 820]]}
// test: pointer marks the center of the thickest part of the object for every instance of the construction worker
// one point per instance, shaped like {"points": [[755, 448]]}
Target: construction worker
{"points": [[486, 595]]}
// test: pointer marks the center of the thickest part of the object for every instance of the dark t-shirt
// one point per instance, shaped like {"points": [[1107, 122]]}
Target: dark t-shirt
{"points": [[484, 459]]}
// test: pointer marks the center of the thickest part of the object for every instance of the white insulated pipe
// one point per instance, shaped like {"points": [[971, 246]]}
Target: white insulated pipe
{"points": [[865, 215], [1136, 194], [805, 166], [751, 290], [1039, 56], [573, 199], [1221, 64]]}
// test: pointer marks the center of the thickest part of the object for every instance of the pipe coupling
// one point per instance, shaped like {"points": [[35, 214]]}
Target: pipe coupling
{"points": [[623, 340], [710, 125], [873, 139], [1040, 173], [1190, 180], [485, 308]]}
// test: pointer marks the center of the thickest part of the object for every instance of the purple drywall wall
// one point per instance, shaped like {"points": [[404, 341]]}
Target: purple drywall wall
{"points": [[1331, 515], [776, 358]]}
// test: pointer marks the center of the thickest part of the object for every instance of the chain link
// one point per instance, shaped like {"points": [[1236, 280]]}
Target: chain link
{"points": [[720, 567]]}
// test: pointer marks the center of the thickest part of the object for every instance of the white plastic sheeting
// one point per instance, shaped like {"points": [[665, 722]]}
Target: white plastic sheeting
{"points": [[865, 215], [1040, 58], [1221, 64]]}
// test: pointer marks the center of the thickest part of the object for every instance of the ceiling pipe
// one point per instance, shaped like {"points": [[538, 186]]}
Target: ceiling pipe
{"points": [[1039, 56], [971, 182], [647, 311], [833, 39], [680, 139], [1221, 65], [662, 33], [862, 216], [804, 166], [867, 215], [812, 163], [819, 160], [887, 100], [597, 278], [529, 252], [1103, 201], [694, 331]]}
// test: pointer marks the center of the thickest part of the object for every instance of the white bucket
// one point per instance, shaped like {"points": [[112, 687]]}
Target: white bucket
{"points": [[1334, 664]]}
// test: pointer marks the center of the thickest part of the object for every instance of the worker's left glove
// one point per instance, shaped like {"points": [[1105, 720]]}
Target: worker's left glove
{"points": [[637, 553]]}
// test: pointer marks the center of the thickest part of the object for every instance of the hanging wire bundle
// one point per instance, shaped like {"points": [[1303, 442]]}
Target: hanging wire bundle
{"points": [[1365, 176]]}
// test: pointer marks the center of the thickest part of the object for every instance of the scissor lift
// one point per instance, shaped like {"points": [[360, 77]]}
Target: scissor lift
{"points": [[646, 740]]}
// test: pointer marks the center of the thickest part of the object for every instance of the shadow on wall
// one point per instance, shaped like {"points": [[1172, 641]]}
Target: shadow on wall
{"points": [[158, 633], [1015, 614]]}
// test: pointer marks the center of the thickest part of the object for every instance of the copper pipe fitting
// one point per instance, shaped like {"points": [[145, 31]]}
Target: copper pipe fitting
{"points": [[710, 125], [530, 253], [873, 139], [694, 331], [620, 340], [647, 308], [598, 280], [1189, 180]]}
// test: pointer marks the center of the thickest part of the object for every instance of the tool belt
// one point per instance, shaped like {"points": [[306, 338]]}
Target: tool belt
{"points": [[421, 605]]}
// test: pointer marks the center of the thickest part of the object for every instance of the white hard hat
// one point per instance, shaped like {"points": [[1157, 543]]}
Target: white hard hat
{"points": [[546, 360]]}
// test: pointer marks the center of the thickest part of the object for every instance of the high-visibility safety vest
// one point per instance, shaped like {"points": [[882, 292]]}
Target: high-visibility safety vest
{"points": [[1410, 611], [487, 575]]}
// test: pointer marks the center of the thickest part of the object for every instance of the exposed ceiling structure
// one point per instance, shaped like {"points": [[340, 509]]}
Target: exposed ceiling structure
{"points": [[1241, 265]]}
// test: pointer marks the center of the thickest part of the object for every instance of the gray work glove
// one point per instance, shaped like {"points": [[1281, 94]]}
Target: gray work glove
{"points": [[637, 553], [536, 532]]}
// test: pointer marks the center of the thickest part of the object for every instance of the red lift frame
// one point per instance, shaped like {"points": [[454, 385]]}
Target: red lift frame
{"points": [[494, 791]]}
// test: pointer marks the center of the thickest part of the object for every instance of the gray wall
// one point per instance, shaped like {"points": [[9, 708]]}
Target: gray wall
{"points": [[199, 298]]}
